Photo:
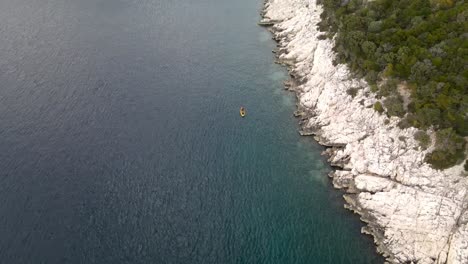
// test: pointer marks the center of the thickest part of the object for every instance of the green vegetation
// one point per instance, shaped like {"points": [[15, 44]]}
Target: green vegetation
{"points": [[423, 138], [450, 149], [378, 107], [394, 105], [352, 91], [419, 44]]}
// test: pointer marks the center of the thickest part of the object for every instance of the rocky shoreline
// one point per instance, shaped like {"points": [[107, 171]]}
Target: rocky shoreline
{"points": [[415, 213]]}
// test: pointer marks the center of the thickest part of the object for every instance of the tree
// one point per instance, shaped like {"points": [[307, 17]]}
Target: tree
{"points": [[368, 48], [422, 71]]}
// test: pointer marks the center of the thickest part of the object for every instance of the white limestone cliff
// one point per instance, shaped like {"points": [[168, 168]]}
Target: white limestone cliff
{"points": [[415, 213]]}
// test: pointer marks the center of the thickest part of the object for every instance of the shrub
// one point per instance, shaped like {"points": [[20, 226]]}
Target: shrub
{"points": [[375, 26], [394, 106], [371, 78], [352, 91], [408, 121], [422, 71], [322, 36], [449, 151], [403, 124], [423, 138], [388, 88], [427, 116], [378, 107]]}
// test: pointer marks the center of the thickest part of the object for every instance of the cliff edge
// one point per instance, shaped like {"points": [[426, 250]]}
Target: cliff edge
{"points": [[415, 213]]}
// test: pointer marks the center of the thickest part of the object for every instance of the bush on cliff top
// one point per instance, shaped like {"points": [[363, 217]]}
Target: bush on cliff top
{"points": [[378, 107], [450, 149], [423, 139]]}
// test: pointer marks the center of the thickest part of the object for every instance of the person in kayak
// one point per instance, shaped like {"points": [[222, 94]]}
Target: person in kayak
{"points": [[242, 111]]}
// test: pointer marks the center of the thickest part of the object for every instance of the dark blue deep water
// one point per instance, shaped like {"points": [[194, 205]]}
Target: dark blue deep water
{"points": [[121, 141]]}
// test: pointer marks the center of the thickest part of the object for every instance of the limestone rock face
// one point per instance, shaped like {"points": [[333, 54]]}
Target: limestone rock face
{"points": [[415, 213]]}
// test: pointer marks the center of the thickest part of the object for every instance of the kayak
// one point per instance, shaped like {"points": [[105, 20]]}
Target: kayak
{"points": [[242, 111]]}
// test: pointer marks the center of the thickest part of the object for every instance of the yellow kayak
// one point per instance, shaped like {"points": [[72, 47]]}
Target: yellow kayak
{"points": [[242, 112]]}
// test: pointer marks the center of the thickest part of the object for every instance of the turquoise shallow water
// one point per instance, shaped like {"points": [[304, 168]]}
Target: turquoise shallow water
{"points": [[122, 143]]}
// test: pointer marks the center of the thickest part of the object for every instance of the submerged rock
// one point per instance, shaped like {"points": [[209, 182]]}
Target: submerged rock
{"points": [[415, 213]]}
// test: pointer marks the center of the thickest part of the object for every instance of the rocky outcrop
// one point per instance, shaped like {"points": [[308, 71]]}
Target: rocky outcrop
{"points": [[415, 213]]}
